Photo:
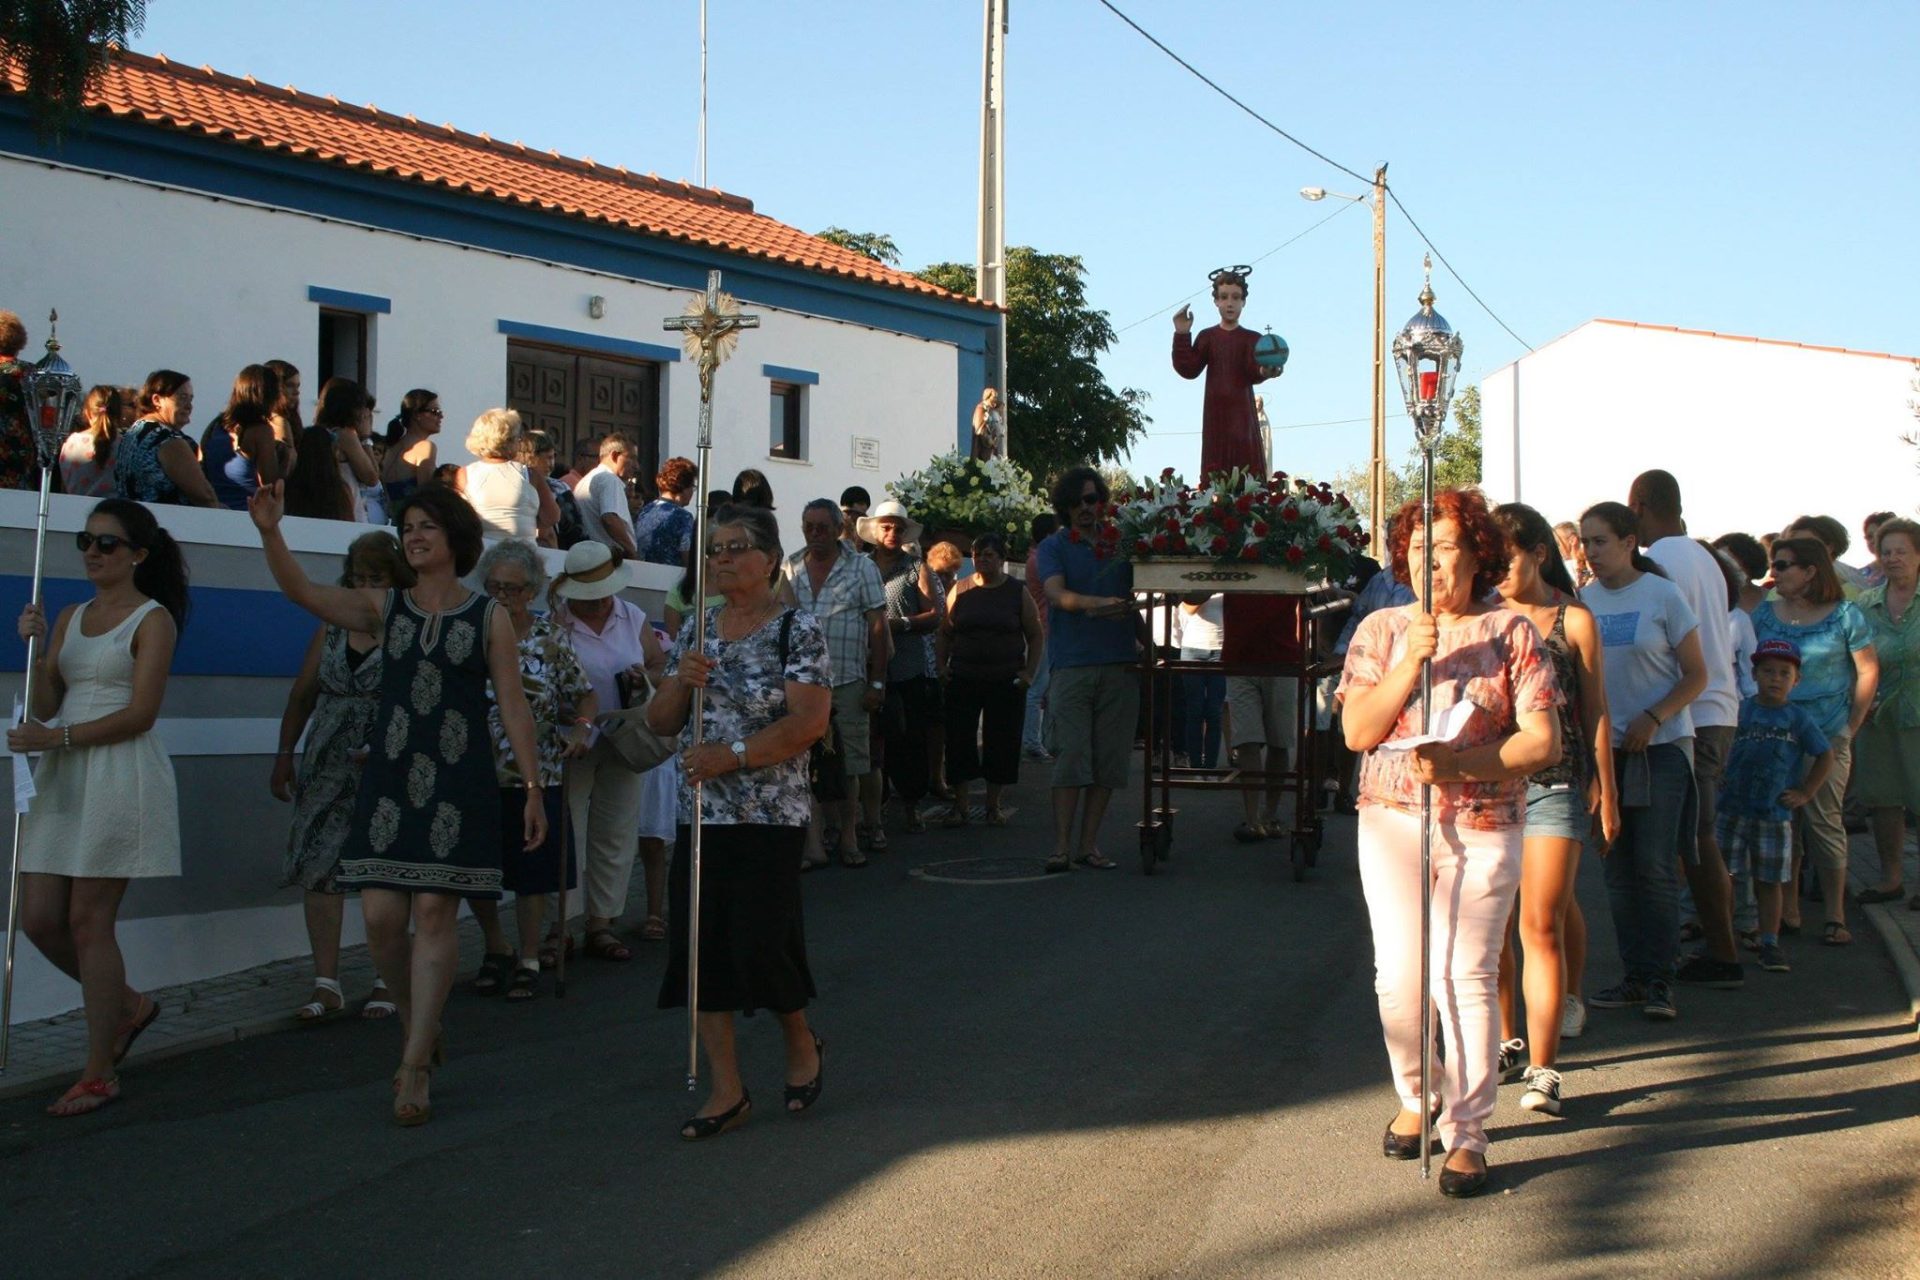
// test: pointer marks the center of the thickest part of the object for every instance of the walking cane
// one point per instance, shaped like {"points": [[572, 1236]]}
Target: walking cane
{"points": [[1426, 353], [53, 397], [566, 867]]}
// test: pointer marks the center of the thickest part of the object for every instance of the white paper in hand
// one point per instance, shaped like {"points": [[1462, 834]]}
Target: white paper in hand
{"points": [[1447, 726], [22, 769]]}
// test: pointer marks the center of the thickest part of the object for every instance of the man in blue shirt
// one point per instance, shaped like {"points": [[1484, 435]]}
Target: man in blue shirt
{"points": [[1094, 696]]}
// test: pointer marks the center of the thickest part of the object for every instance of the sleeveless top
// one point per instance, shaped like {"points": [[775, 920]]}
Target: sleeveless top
{"points": [[504, 498], [1572, 770], [912, 650], [137, 472], [229, 471], [988, 642]]}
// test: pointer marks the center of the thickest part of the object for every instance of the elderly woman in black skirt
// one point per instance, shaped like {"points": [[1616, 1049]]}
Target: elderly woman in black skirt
{"points": [[564, 706], [765, 671]]}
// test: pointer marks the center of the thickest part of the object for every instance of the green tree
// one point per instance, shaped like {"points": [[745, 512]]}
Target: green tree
{"points": [[60, 47], [1061, 412], [873, 244]]}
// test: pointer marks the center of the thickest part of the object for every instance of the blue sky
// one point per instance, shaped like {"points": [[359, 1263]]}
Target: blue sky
{"points": [[1750, 168]]}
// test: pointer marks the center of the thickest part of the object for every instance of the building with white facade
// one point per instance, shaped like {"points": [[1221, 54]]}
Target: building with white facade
{"points": [[202, 222], [1757, 430]]}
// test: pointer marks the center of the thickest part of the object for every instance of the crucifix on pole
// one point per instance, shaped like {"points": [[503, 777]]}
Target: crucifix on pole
{"points": [[709, 330]]}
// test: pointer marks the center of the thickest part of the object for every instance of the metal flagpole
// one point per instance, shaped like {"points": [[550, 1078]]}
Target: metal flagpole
{"points": [[710, 327], [53, 397]]}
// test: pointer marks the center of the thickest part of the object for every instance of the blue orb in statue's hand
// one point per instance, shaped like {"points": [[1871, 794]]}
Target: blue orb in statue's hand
{"points": [[1271, 352]]}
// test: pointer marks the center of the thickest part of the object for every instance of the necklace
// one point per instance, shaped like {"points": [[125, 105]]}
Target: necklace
{"points": [[752, 626]]}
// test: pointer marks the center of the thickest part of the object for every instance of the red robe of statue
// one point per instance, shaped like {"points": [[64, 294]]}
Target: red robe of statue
{"points": [[1229, 427]]}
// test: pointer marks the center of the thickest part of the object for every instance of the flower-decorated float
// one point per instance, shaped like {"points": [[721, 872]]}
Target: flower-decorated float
{"points": [[1236, 532], [959, 498]]}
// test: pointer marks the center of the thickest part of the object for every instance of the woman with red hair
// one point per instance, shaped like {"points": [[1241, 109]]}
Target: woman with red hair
{"points": [[1494, 661]]}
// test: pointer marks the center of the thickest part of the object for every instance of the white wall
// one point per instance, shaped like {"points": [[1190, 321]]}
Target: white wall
{"points": [[1757, 433], [147, 278]]}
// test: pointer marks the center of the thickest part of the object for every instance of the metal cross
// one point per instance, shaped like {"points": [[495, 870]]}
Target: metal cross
{"points": [[709, 330]]}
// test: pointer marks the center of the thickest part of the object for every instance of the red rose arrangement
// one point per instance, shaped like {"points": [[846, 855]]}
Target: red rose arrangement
{"points": [[1233, 517]]}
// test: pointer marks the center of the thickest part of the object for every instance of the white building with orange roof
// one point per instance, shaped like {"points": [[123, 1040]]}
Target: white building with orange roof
{"points": [[1757, 430]]}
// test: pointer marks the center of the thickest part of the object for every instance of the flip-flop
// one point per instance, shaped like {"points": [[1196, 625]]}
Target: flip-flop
{"points": [[1096, 860], [135, 1025], [104, 1091], [654, 930], [1834, 934]]}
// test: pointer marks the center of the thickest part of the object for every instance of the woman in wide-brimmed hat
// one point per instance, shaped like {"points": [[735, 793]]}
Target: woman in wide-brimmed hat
{"points": [[912, 707], [608, 801]]}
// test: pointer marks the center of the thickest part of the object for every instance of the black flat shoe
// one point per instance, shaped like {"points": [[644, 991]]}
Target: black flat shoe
{"points": [[1459, 1186], [1403, 1146], [700, 1128], [802, 1096]]}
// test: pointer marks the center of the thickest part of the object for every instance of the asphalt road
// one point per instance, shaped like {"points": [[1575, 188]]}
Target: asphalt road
{"points": [[1096, 1075]]}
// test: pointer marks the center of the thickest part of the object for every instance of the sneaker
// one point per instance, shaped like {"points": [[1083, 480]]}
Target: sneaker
{"points": [[1773, 959], [1543, 1091], [1704, 971], [1619, 995], [1511, 1051], [1573, 1018], [1659, 1005]]}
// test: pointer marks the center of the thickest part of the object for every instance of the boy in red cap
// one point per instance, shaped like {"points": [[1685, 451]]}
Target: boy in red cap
{"points": [[1763, 785]]}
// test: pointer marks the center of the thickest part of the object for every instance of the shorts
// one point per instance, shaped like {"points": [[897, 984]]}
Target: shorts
{"points": [[1886, 767], [1091, 715], [853, 727], [1756, 847], [1261, 711], [1557, 812], [1711, 743]]}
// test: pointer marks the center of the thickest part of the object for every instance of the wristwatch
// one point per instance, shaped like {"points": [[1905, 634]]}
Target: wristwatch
{"points": [[879, 686], [739, 749]]}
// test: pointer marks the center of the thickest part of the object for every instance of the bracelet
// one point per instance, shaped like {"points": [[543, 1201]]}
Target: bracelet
{"points": [[66, 736], [1655, 717]]}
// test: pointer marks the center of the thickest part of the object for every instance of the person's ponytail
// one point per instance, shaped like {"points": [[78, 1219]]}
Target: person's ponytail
{"points": [[162, 575]]}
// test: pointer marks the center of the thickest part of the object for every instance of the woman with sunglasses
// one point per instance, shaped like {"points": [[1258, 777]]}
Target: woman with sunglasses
{"points": [[105, 809], [1839, 671], [412, 457], [765, 671]]}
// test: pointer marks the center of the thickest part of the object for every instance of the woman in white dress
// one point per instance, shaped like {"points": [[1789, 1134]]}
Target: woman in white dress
{"points": [[507, 500], [106, 809]]}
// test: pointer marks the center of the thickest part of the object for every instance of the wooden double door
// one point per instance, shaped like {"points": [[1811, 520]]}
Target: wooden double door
{"points": [[579, 395]]}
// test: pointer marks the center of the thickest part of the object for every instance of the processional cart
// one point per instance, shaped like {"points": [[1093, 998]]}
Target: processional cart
{"points": [[1275, 546]]}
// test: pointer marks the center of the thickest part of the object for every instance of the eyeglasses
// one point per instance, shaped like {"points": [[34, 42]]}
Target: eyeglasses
{"points": [[1091, 499], [495, 587], [107, 542], [435, 412], [738, 547], [1778, 565]]}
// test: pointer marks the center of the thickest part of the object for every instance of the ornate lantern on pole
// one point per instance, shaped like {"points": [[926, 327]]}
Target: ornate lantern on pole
{"points": [[53, 393], [1426, 353]]}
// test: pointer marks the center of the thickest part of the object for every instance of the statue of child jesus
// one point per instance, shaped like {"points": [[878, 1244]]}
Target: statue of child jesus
{"points": [[1229, 422]]}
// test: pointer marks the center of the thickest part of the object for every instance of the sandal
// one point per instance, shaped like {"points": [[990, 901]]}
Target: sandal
{"points": [[699, 1128], [1096, 860], [877, 838], [852, 858], [550, 950], [85, 1097], [655, 929], [525, 983], [131, 1031], [1057, 864], [1834, 934], [409, 1114], [317, 1010], [495, 966], [602, 945], [1871, 896], [378, 1006], [802, 1096]]}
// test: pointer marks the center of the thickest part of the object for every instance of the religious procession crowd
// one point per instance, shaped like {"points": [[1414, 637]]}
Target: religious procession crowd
{"points": [[1697, 713]]}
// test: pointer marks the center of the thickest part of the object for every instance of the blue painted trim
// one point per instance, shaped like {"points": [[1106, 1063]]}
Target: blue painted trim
{"points": [[174, 158], [231, 631], [780, 373], [589, 341], [348, 301]]}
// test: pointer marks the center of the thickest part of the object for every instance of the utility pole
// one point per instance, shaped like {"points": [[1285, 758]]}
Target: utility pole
{"points": [[1377, 475], [991, 275], [700, 178]]}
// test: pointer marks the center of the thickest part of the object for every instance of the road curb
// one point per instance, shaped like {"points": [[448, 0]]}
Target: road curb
{"points": [[1905, 962], [12, 1086]]}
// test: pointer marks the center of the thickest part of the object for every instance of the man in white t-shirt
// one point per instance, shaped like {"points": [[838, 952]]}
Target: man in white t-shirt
{"points": [[602, 497], [1654, 499]]}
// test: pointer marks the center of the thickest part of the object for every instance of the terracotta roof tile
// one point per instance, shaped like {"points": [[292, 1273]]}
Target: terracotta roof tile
{"points": [[246, 112]]}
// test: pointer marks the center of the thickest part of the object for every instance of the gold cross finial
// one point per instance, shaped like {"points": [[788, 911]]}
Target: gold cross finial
{"points": [[709, 329]]}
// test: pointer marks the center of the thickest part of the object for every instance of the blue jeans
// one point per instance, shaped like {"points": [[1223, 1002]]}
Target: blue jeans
{"points": [[1643, 883], [1199, 738], [1030, 738]]}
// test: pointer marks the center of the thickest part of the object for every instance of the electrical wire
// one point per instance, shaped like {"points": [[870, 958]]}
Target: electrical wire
{"points": [[1318, 155], [1256, 262]]}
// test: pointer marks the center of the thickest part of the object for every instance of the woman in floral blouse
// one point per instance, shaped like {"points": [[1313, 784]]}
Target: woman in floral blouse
{"points": [[1495, 660], [563, 706], [765, 672]]}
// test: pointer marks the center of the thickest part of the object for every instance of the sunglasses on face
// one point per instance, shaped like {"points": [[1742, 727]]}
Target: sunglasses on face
{"points": [[1091, 500], [494, 587], [107, 542], [1778, 565], [737, 548]]}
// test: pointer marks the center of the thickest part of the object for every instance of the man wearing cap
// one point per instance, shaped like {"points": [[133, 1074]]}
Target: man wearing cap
{"points": [[1654, 499], [845, 595], [602, 495]]}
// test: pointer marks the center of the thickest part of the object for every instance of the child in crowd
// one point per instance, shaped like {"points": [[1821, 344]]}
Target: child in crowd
{"points": [[1759, 792]]}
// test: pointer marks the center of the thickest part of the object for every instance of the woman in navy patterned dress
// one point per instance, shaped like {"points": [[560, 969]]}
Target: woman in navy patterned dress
{"points": [[426, 825]]}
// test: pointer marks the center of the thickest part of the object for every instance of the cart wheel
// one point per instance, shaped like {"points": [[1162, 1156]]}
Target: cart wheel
{"points": [[1148, 838], [1297, 847]]}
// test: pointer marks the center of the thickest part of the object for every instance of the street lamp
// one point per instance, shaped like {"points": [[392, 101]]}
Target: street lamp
{"points": [[1426, 354], [1377, 466]]}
